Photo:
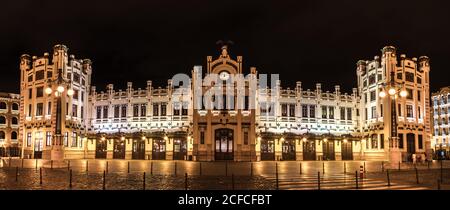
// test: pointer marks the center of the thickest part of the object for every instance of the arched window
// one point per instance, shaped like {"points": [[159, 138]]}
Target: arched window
{"points": [[14, 135], [14, 121], [2, 120], [2, 105], [2, 135], [15, 106]]}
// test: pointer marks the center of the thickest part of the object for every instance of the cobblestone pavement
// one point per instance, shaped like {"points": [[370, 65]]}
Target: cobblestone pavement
{"points": [[295, 175]]}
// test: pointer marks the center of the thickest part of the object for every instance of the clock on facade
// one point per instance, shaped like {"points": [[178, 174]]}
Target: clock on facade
{"points": [[224, 75]]}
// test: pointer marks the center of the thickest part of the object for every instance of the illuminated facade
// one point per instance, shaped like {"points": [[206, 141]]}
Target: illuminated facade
{"points": [[413, 111], [175, 122], [9, 125], [441, 136]]}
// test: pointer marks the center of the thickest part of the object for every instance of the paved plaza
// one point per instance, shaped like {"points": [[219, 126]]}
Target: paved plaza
{"points": [[265, 175]]}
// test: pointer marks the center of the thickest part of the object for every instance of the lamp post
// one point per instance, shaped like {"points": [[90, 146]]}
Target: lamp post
{"points": [[58, 87], [391, 91]]}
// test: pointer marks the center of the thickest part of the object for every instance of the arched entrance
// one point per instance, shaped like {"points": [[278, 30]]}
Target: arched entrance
{"points": [[138, 149], [100, 149], [267, 149], [179, 149], [347, 150], [119, 149], [288, 149], [224, 144], [159, 149], [410, 146]]}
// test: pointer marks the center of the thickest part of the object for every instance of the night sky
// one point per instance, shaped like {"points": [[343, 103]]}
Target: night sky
{"points": [[308, 41]]}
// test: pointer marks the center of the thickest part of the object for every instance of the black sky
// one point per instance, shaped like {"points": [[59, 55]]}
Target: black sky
{"points": [[309, 41]]}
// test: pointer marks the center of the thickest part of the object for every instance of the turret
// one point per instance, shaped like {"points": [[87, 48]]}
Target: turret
{"points": [[60, 56]]}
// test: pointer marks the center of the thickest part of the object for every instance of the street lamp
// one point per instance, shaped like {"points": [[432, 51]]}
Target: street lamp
{"points": [[393, 90], [58, 86]]}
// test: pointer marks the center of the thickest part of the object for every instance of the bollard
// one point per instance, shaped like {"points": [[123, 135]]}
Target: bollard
{"points": [[36, 163], [382, 166], [128, 169], [323, 167], [388, 178], [175, 170], [300, 168], [185, 181], [106, 167], [318, 180], [51, 164], [17, 174], [151, 168], [200, 168], [104, 179], [345, 168], [232, 182], [276, 177], [40, 176], [87, 166], [9, 162], [251, 169], [143, 182], [364, 167], [399, 163], [417, 176], [276, 169], [356, 178], [68, 165], [70, 178], [361, 172]]}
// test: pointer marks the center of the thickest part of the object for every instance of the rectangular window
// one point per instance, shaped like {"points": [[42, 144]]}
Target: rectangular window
{"points": [[39, 109], [399, 110], [49, 74], [374, 112], [116, 111], [374, 142], [82, 96], [105, 112], [349, 113], [400, 141], [74, 139], [342, 117], [292, 110], [30, 78], [30, 109], [135, 110], [184, 110], [312, 111], [66, 139], [410, 93], [246, 137], [418, 112], [284, 110], [74, 110], [143, 110], [176, 111], [155, 109], [409, 111], [381, 110], [420, 139], [304, 110], [48, 139], [379, 77], [163, 109], [49, 108], [373, 96], [30, 93], [99, 112], [409, 77], [28, 139], [418, 95], [381, 141], [400, 76], [40, 75], [202, 137], [365, 114], [331, 112], [39, 92], [419, 80], [76, 77], [324, 112], [82, 112], [124, 111], [75, 94], [365, 97], [371, 79]]}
